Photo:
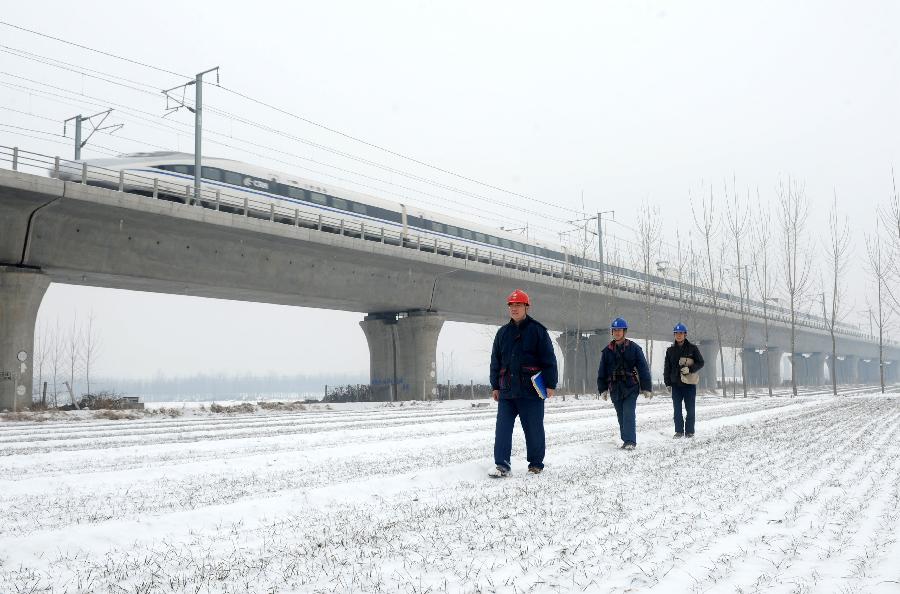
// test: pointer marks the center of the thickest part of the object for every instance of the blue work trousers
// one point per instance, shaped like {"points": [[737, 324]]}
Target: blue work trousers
{"points": [[687, 395], [531, 414], [625, 411]]}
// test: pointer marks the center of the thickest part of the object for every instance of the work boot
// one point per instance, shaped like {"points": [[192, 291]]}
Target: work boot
{"points": [[535, 470], [499, 472], [678, 435]]}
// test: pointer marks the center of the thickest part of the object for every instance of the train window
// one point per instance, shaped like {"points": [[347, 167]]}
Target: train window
{"points": [[529, 249], [181, 168], [435, 226], [297, 193], [479, 237], [518, 246], [466, 233], [493, 240], [451, 230], [506, 243], [339, 203], [318, 198], [235, 179], [212, 173], [360, 208]]}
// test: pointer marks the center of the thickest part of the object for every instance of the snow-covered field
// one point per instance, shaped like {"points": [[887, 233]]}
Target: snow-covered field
{"points": [[773, 495]]}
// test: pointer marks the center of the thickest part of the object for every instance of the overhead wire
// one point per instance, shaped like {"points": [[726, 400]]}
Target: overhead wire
{"points": [[303, 119]]}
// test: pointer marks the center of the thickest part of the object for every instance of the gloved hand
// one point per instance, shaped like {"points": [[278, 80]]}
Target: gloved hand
{"points": [[605, 395], [647, 394], [685, 370]]}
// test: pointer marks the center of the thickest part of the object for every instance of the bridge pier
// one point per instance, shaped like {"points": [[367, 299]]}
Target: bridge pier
{"points": [[402, 354], [772, 361], [21, 292], [581, 357], [868, 371], [709, 350], [890, 372], [816, 366], [851, 369], [753, 367]]}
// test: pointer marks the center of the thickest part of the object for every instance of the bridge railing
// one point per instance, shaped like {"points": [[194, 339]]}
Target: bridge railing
{"points": [[226, 200]]}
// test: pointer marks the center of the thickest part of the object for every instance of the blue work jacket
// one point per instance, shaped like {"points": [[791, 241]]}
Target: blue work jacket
{"points": [[520, 351], [623, 370]]}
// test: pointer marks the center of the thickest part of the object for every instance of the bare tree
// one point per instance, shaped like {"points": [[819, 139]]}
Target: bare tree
{"points": [[796, 259], [762, 273], [706, 221], [879, 270], [90, 349], [737, 218], [42, 353], [73, 353], [837, 252], [649, 238], [57, 348]]}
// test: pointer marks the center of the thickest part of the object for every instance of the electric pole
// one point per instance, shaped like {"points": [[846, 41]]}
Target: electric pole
{"points": [[79, 144], [197, 110]]}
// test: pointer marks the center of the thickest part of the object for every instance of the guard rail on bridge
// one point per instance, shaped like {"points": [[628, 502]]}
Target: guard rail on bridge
{"points": [[225, 201]]}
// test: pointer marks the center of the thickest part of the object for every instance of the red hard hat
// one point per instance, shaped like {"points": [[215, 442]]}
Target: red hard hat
{"points": [[518, 296]]}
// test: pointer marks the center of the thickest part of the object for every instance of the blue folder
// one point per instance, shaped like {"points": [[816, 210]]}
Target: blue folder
{"points": [[537, 381]]}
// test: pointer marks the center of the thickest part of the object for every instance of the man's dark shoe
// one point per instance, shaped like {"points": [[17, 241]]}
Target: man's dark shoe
{"points": [[689, 435], [535, 470], [678, 435], [629, 446]]}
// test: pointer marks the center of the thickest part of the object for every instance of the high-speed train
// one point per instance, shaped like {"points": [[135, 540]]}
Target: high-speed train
{"points": [[175, 174], [264, 186]]}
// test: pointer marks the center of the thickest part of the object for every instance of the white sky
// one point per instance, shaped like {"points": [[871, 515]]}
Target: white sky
{"points": [[622, 101]]}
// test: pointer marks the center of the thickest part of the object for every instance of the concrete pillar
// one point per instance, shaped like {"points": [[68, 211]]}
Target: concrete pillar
{"points": [[851, 369], [772, 361], [753, 367], [709, 350], [816, 365], [418, 335], [581, 357], [381, 334], [890, 372], [402, 354], [21, 292], [868, 371]]}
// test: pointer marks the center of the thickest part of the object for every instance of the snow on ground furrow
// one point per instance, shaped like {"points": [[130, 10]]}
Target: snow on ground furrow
{"points": [[793, 519], [598, 518], [30, 464], [194, 484]]}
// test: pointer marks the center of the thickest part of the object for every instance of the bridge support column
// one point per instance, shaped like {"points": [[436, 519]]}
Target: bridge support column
{"points": [[402, 354], [890, 372], [709, 350], [816, 365], [772, 361], [21, 292], [581, 356], [752, 367], [851, 369], [868, 371]]}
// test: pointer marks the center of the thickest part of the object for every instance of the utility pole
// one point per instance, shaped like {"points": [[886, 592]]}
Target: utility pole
{"points": [[197, 110], [599, 218], [79, 144]]}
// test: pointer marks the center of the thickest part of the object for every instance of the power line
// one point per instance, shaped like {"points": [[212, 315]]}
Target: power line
{"points": [[305, 120]]}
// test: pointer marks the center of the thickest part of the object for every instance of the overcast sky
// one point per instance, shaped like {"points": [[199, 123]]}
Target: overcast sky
{"points": [[621, 102]]}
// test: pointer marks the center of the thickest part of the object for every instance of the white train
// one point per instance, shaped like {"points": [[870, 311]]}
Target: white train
{"points": [[263, 187], [260, 187]]}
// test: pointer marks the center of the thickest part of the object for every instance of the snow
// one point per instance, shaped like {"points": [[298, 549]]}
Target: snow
{"points": [[774, 494]]}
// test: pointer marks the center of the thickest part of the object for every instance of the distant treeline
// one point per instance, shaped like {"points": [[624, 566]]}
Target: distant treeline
{"points": [[204, 387]]}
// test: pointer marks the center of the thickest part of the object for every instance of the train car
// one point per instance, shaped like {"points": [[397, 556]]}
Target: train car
{"points": [[175, 174]]}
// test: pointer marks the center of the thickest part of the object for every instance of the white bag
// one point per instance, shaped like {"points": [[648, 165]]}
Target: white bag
{"points": [[688, 378]]}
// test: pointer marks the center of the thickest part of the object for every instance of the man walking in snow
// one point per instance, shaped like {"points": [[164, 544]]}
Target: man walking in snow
{"points": [[522, 349], [624, 372], [682, 359]]}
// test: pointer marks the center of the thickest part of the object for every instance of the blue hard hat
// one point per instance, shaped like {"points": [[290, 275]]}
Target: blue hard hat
{"points": [[619, 323], [679, 327]]}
